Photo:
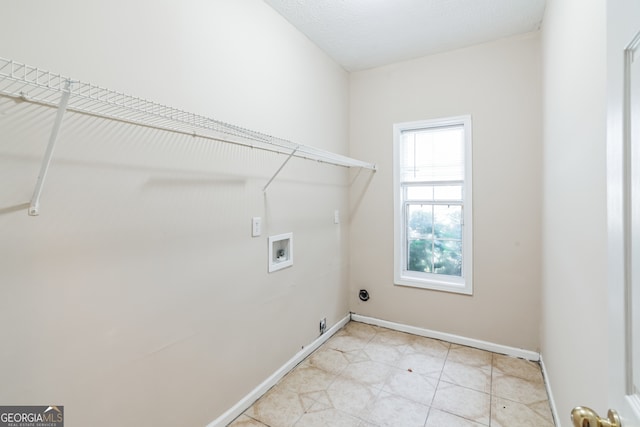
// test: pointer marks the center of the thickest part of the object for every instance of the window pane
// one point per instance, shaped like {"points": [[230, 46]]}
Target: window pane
{"points": [[435, 154], [420, 221], [447, 257], [420, 255], [448, 221], [448, 192], [434, 239], [419, 193], [420, 238]]}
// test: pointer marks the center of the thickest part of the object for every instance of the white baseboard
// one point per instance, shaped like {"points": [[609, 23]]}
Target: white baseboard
{"points": [[237, 409], [552, 402], [456, 339]]}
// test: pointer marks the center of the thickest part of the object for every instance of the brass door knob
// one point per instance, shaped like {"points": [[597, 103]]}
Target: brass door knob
{"points": [[587, 417]]}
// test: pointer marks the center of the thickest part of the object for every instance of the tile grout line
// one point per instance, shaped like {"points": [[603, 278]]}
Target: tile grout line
{"points": [[335, 375], [378, 391], [438, 384], [338, 374]]}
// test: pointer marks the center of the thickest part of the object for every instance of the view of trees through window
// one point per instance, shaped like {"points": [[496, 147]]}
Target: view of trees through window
{"points": [[435, 239]]}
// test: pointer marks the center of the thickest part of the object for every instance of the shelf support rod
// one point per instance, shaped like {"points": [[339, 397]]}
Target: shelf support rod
{"points": [[280, 168], [34, 208]]}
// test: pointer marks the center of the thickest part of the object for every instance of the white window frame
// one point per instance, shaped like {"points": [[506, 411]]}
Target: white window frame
{"points": [[440, 282]]}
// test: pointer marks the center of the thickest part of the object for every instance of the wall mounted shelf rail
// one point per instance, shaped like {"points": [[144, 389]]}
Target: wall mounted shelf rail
{"points": [[43, 87]]}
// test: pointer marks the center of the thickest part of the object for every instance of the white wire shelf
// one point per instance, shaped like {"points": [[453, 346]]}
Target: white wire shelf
{"points": [[43, 87], [36, 85]]}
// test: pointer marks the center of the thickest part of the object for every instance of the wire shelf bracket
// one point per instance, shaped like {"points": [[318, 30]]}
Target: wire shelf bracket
{"points": [[43, 87], [279, 169], [34, 207]]}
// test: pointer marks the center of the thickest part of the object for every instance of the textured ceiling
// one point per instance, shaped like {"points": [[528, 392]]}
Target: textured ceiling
{"points": [[361, 34]]}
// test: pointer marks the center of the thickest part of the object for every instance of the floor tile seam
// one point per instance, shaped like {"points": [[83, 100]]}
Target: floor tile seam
{"points": [[365, 409], [335, 378], [388, 376], [472, 364], [453, 373], [434, 355], [443, 380], [372, 337], [431, 407], [364, 384], [385, 364], [496, 398], [371, 421], [462, 386], [467, 387], [442, 369], [308, 394], [257, 420], [318, 406], [463, 417], [413, 371], [428, 405], [299, 392], [357, 417], [521, 403], [436, 359], [335, 373], [528, 380], [431, 350], [426, 420], [430, 339], [360, 345], [360, 339], [386, 361], [393, 365], [523, 376], [385, 345], [536, 386], [304, 412], [458, 415], [535, 382], [547, 417], [376, 387], [351, 414]]}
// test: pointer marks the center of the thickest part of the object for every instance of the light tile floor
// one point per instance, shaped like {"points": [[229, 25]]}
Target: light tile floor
{"points": [[367, 376]]}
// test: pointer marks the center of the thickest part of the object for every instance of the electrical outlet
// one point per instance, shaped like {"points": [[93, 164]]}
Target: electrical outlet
{"points": [[256, 226], [323, 325]]}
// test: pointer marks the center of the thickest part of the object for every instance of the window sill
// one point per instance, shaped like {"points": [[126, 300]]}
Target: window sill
{"points": [[456, 287]]}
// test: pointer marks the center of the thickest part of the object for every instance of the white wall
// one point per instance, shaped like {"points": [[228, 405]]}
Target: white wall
{"points": [[574, 326], [499, 84], [138, 292]]}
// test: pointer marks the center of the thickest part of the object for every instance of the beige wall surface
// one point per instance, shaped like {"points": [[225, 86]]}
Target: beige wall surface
{"points": [[499, 85], [138, 296], [574, 215]]}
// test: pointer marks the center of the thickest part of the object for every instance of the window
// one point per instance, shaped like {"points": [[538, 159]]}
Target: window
{"points": [[432, 189]]}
